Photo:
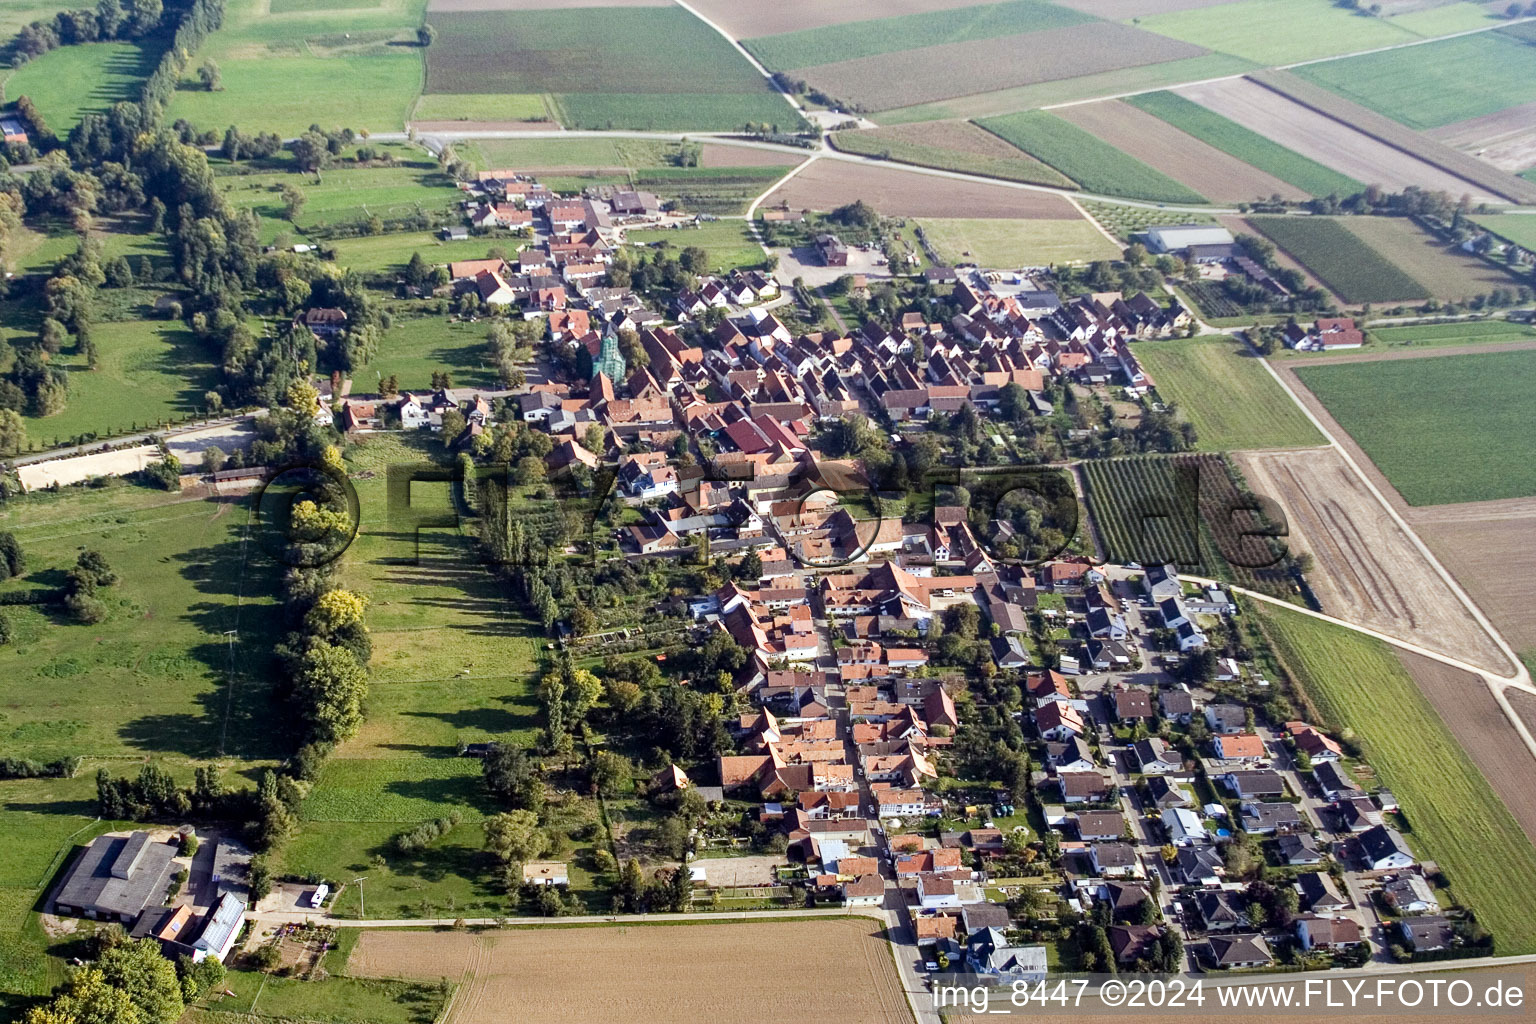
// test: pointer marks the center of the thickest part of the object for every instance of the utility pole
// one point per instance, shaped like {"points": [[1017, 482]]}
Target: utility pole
{"points": [[362, 908]]}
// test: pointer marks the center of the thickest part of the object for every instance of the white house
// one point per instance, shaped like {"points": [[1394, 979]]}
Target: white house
{"points": [[1184, 827], [1384, 848]]}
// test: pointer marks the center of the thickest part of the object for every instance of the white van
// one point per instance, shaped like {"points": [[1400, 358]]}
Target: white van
{"points": [[317, 898]]}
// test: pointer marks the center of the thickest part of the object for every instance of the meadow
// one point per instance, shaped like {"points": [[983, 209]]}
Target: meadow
{"points": [[1245, 144], [1092, 163], [1230, 398], [336, 999], [1278, 31], [391, 252], [1017, 243], [1515, 227], [951, 146], [568, 154], [729, 243], [1437, 83], [1341, 259], [1488, 332], [288, 66], [71, 81], [627, 75], [1442, 430], [1454, 818], [908, 32], [347, 194]]}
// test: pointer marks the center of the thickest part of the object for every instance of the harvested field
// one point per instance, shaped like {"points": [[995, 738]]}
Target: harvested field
{"points": [[1384, 129], [1123, 10], [1367, 569], [827, 184], [951, 146], [1319, 137], [958, 69], [1474, 717], [1182, 157], [1506, 139], [746, 21], [715, 155], [1093, 163], [685, 974], [1487, 546], [1448, 272]]}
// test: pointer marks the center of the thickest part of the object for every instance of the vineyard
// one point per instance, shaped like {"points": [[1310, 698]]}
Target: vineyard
{"points": [[1185, 509]]}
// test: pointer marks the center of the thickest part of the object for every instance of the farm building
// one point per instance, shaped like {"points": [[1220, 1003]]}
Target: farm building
{"points": [[116, 878], [13, 130], [551, 872], [832, 250], [1174, 237]]}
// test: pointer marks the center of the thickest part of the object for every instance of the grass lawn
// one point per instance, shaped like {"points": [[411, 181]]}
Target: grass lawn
{"points": [[337, 999], [1245, 144], [153, 678], [907, 150], [372, 253], [1437, 83], [1457, 820], [1442, 430], [416, 346], [1067, 90], [729, 243], [345, 194], [1341, 259], [1223, 390], [908, 32], [1440, 335], [148, 371], [1094, 164], [1448, 272], [288, 66], [1278, 31], [1515, 227], [1442, 21], [1018, 243], [83, 79], [465, 106]]}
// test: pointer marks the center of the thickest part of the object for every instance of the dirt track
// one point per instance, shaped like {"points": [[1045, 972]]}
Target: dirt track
{"points": [[1480, 726], [1367, 570], [1182, 157], [824, 969], [828, 184]]}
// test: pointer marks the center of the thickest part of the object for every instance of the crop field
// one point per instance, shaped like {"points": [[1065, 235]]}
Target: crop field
{"points": [[626, 75], [1341, 259], [687, 973], [1452, 814], [828, 184], [1181, 509], [1071, 89], [1505, 138], [855, 39], [290, 66], [1515, 227], [1018, 243], [951, 146], [728, 243], [1091, 162], [715, 190], [1437, 83], [1220, 387], [948, 70], [1245, 144], [1279, 31], [1488, 332], [1447, 271], [567, 154], [83, 79], [482, 107], [1204, 169], [1442, 430]]}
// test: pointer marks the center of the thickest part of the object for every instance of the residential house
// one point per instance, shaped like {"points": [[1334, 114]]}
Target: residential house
{"points": [[1226, 719], [1184, 827], [1134, 704], [1177, 705], [1299, 849], [1268, 819], [1319, 894], [1334, 781], [1410, 894], [1083, 787], [1427, 934], [1097, 826], [1383, 848], [1132, 942], [1245, 746], [1199, 865], [864, 891], [1239, 951], [1219, 910], [1155, 757], [1117, 860], [1253, 783]]}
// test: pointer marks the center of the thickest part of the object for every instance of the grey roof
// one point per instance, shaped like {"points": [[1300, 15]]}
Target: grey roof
{"points": [[1271, 815], [1226, 714], [976, 916], [224, 919], [1217, 907], [118, 876], [1018, 960], [1198, 861], [1114, 855], [1239, 949], [1333, 779], [1164, 793], [1381, 842], [1317, 887], [1296, 848], [1427, 932], [1257, 782]]}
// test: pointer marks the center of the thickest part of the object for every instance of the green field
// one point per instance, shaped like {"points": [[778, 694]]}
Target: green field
{"points": [[1437, 83], [1124, 221], [912, 151], [366, 253], [1278, 31], [1067, 90], [293, 65], [1223, 390], [625, 75], [1443, 430], [1448, 18], [1341, 259], [1357, 683], [416, 346], [1094, 164], [1018, 243], [1516, 227], [346, 194], [16, 13], [908, 32], [82, 79], [728, 242], [1486, 332], [335, 999], [486, 107], [568, 154], [722, 191], [1247, 145]]}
